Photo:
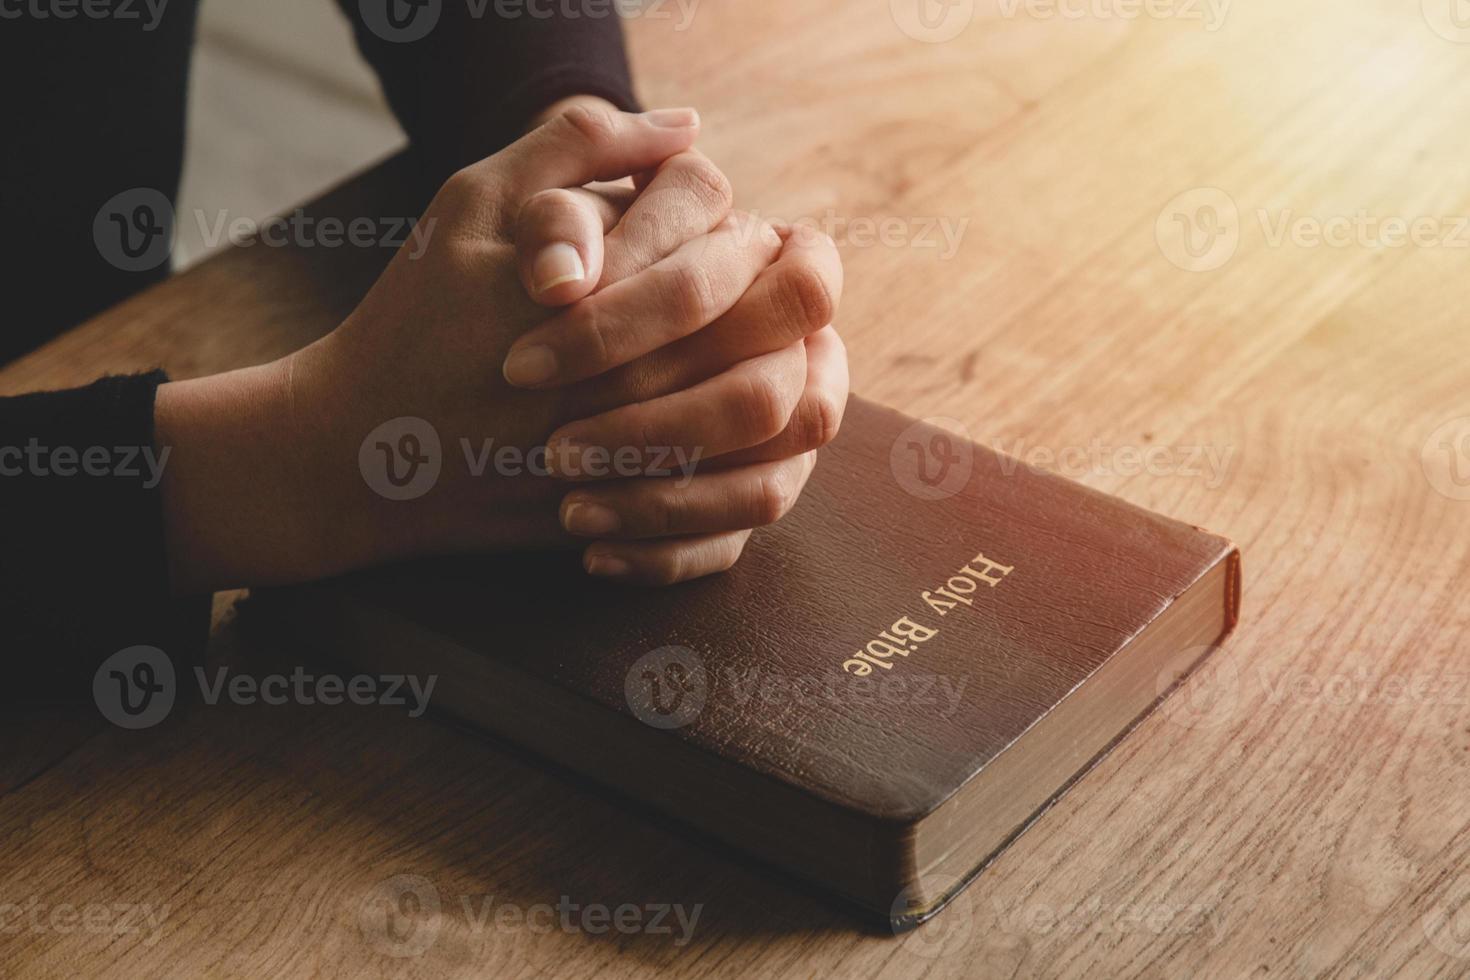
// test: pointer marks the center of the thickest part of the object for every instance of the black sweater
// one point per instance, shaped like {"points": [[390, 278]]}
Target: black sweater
{"points": [[96, 106]]}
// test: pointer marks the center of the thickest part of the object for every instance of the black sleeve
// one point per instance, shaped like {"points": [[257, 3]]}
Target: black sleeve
{"points": [[464, 77], [84, 569]]}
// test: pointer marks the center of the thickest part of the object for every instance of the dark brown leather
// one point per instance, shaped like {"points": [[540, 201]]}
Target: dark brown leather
{"points": [[865, 541]]}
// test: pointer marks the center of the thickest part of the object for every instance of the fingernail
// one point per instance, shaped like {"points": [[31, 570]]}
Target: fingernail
{"points": [[530, 365], [557, 263], [591, 519], [606, 566], [672, 118]]}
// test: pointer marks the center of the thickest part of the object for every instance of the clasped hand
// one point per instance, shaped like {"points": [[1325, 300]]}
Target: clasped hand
{"points": [[639, 321]]}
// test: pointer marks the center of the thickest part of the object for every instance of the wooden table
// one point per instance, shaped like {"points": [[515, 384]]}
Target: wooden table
{"points": [[1300, 809]]}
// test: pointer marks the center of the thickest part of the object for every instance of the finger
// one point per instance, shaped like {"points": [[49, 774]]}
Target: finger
{"points": [[745, 406], [559, 241], [794, 297], [585, 144], [685, 198], [658, 507], [665, 561], [687, 291], [818, 414]]}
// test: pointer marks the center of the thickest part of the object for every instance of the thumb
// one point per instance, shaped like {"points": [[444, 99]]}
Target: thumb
{"points": [[559, 240]]}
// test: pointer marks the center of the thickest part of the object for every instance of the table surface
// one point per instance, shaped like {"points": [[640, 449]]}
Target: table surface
{"points": [[1211, 266]]}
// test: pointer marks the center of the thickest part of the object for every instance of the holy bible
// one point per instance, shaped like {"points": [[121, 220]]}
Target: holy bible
{"points": [[887, 689]]}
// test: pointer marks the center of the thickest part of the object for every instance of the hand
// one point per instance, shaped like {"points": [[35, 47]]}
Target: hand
{"points": [[427, 342], [701, 527]]}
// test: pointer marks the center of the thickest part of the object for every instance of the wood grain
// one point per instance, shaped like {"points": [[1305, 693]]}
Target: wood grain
{"points": [[1298, 811]]}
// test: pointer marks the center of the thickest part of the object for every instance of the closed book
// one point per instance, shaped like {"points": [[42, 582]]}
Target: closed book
{"points": [[889, 687]]}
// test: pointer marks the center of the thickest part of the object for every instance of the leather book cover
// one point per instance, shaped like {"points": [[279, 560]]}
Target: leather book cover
{"points": [[892, 683]]}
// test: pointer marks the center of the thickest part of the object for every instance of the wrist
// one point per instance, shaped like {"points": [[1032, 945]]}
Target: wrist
{"points": [[241, 499]]}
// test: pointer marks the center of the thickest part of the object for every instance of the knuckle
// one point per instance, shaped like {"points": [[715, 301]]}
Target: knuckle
{"points": [[462, 187], [752, 231], [804, 297], [692, 294], [668, 568], [669, 514], [760, 408], [593, 127], [549, 206], [588, 331], [646, 429], [819, 418], [707, 181], [472, 201], [730, 555], [775, 495]]}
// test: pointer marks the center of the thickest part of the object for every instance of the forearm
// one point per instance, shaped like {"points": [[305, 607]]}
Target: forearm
{"points": [[84, 572]]}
